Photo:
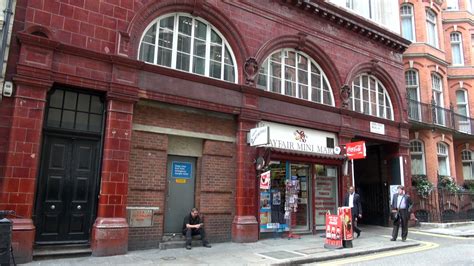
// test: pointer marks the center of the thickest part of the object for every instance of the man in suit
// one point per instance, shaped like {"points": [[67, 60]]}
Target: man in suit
{"points": [[352, 200], [401, 204]]}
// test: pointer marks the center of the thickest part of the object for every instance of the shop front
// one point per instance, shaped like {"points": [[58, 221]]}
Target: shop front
{"points": [[301, 179]]}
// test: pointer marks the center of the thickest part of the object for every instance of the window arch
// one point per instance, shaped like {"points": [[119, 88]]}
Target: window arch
{"points": [[417, 155], [467, 165], [443, 159], [184, 42], [413, 90], [295, 74], [456, 49], [408, 22], [370, 97], [431, 28]]}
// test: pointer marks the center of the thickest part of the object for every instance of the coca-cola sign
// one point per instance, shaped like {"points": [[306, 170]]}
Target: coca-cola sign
{"points": [[355, 150]]}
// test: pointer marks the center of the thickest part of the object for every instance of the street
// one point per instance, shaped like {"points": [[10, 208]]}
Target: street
{"points": [[434, 250]]}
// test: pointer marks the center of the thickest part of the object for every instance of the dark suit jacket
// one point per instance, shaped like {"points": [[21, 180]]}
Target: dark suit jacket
{"points": [[407, 198], [357, 209]]}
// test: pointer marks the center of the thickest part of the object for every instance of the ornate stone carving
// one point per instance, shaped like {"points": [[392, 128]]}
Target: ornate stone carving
{"points": [[301, 41], [251, 70], [345, 93]]}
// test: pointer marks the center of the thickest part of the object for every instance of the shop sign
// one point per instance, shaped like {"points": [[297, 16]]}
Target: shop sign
{"points": [[333, 231], [345, 214], [265, 180], [377, 128], [181, 169], [355, 150], [259, 136], [299, 139]]}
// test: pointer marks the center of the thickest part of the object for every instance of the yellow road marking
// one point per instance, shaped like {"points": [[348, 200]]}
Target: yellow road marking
{"points": [[438, 235], [424, 246]]}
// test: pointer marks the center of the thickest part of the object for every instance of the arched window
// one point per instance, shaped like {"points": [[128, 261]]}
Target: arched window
{"points": [[437, 90], [408, 22], [463, 111], [467, 165], [295, 74], [187, 43], [431, 29], [370, 97], [413, 90], [456, 48], [417, 155], [443, 159]]}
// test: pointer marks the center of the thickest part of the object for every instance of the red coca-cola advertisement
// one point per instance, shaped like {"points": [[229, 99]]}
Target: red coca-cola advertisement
{"points": [[345, 215], [355, 150], [333, 231]]}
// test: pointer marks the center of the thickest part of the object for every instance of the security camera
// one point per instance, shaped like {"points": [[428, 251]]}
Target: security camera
{"points": [[8, 89]]}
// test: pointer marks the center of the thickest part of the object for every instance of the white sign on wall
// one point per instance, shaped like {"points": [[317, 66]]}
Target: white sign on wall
{"points": [[299, 139], [377, 128], [259, 136]]}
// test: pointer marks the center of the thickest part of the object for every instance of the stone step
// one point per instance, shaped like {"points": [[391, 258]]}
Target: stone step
{"points": [[178, 244], [49, 251]]}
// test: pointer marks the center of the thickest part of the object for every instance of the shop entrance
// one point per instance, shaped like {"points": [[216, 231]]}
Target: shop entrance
{"points": [[370, 178]]}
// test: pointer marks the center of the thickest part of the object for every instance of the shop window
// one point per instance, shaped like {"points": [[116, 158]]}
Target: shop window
{"points": [[325, 189], [408, 22], [431, 28], [417, 156], [187, 43], [467, 165], [443, 159], [413, 91], [370, 97], [437, 90], [456, 49], [294, 74]]}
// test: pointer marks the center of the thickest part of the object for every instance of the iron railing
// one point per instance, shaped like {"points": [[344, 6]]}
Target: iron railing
{"points": [[437, 116]]}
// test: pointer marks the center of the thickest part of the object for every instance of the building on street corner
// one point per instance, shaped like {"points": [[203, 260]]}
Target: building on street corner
{"points": [[126, 114]]}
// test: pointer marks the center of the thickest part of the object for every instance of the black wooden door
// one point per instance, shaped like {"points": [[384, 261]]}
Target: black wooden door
{"points": [[67, 187]]}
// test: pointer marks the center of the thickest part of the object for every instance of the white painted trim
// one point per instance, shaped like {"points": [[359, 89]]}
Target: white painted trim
{"points": [[182, 133], [353, 178], [402, 174]]}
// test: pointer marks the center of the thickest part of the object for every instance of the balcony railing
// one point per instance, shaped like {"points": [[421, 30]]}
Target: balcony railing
{"points": [[434, 115]]}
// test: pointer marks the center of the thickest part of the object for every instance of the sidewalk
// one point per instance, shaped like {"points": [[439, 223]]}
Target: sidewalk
{"points": [[463, 229], [279, 251]]}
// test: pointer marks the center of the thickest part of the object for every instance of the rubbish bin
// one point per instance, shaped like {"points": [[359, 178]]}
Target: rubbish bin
{"points": [[5, 241]]}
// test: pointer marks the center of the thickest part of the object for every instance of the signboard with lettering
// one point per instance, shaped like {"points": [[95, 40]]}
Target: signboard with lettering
{"points": [[356, 150], [333, 231], [377, 128], [300, 139], [265, 180], [259, 136], [181, 169], [141, 216]]}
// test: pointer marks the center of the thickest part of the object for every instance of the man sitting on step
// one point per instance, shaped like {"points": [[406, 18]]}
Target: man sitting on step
{"points": [[194, 225]]}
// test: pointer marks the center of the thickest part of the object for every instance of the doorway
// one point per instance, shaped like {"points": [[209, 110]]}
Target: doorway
{"points": [[181, 177]]}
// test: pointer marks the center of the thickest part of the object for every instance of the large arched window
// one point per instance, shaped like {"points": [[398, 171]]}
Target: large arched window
{"points": [[417, 155], [443, 159], [413, 91], [431, 28], [467, 165], [408, 22], [295, 74], [370, 97], [190, 44], [456, 49]]}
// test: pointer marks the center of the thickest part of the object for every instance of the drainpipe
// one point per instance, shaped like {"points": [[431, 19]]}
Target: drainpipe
{"points": [[6, 30]]}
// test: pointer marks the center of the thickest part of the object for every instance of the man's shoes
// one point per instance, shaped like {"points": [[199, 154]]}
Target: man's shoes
{"points": [[404, 239], [188, 247], [393, 239], [358, 234], [207, 245]]}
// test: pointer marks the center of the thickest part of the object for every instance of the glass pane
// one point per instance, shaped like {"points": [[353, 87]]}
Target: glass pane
{"points": [[315, 80], [96, 105], [83, 102], [215, 69], [460, 96], [303, 77], [164, 57], [182, 61], [216, 52], [327, 97], [275, 69], [165, 38], [185, 24], [291, 58], [229, 73], [68, 119], [215, 37], [95, 123], [290, 88], [275, 85], [302, 62], [167, 23], [200, 30], [198, 65], [56, 99], [316, 95], [147, 53], [290, 73], [227, 57], [150, 35], [262, 81], [184, 44], [70, 100], [54, 117], [199, 48], [303, 92], [81, 121]]}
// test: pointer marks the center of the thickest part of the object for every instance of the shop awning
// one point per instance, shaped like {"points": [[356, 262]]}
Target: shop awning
{"points": [[307, 154]]}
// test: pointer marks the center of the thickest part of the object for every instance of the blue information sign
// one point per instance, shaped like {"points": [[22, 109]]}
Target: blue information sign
{"points": [[181, 169]]}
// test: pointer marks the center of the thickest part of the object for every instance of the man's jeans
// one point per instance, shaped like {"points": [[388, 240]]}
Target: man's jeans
{"points": [[190, 232]]}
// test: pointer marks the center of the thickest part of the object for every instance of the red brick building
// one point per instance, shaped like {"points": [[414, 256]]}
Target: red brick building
{"points": [[126, 114]]}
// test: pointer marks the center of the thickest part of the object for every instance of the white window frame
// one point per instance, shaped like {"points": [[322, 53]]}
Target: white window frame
{"points": [[267, 66], [452, 5], [415, 144], [410, 16], [442, 151], [174, 51], [464, 120], [466, 157], [387, 102], [431, 23], [412, 82], [456, 40], [437, 90]]}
